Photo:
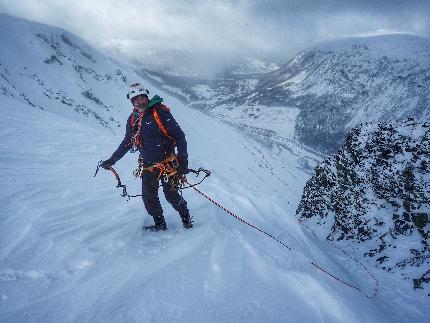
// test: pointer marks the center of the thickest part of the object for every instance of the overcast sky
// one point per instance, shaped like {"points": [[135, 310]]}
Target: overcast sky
{"points": [[217, 31]]}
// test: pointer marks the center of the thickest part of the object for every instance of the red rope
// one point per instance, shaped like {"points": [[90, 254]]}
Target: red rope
{"points": [[280, 242], [239, 218], [376, 288], [338, 279]]}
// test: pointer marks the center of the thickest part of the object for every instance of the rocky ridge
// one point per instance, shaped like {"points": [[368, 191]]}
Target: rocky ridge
{"points": [[374, 197]]}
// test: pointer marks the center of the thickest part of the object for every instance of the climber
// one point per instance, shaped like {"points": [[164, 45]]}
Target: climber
{"points": [[152, 130]]}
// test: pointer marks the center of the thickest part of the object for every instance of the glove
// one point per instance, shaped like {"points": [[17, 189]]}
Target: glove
{"points": [[183, 167], [107, 163]]}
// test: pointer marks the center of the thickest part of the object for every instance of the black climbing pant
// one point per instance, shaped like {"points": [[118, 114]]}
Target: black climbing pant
{"points": [[150, 185]]}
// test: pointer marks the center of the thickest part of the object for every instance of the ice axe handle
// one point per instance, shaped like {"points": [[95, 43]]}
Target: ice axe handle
{"points": [[98, 167], [200, 170]]}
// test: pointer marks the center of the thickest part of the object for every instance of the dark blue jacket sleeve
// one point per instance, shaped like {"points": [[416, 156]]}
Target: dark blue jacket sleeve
{"points": [[125, 145], [175, 132]]}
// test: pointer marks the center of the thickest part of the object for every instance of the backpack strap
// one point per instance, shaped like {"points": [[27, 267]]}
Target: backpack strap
{"points": [[160, 124], [136, 140], [163, 107]]}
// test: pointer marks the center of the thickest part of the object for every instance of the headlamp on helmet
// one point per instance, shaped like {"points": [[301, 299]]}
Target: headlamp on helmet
{"points": [[135, 90]]}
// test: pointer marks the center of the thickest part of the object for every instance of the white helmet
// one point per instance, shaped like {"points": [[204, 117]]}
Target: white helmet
{"points": [[135, 90]]}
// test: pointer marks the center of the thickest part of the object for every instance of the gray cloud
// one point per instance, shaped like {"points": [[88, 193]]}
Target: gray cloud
{"points": [[208, 34]]}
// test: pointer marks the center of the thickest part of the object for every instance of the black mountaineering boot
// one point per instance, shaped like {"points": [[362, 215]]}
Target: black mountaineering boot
{"points": [[155, 227], [159, 225], [187, 221]]}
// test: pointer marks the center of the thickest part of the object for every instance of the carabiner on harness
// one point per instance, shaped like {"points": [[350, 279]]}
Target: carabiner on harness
{"points": [[167, 168]]}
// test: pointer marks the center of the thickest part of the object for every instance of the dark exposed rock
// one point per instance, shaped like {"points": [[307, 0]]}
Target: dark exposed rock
{"points": [[375, 192], [418, 283], [52, 59], [67, 41]]}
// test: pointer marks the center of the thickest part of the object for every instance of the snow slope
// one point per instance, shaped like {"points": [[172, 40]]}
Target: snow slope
{"points": [[52, 69], [71, 249]]}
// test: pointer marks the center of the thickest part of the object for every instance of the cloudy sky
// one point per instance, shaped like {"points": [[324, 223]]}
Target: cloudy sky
{"points": [[208, 34]]}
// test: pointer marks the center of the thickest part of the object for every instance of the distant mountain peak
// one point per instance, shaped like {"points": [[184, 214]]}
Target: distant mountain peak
{"points": [[389, 44], [339, 84]]}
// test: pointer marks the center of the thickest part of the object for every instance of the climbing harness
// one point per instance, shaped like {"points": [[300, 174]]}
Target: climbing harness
{"points": [[168, 168], [168, 174]]}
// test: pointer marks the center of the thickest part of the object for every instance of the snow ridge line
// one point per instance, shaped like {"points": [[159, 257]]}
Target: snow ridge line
{"points": [[376, 288], [280, 242]]}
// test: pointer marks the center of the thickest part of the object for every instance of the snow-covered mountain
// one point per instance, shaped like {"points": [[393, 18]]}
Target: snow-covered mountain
{"points": [[53, 70], [236, 79], [274, 128], [374, 196], [203, 93], [340, 84], [71, 249], [180, 63]]}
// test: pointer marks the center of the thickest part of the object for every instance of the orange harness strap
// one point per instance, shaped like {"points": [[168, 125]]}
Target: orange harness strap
{"points": [[167, 167], [136, 137], [161, 126]]}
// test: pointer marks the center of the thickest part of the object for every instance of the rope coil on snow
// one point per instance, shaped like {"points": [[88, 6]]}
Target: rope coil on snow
{"points": [[280, 242]]}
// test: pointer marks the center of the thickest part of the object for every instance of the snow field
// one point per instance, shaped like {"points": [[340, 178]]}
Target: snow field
{"points": [[73, 249]]}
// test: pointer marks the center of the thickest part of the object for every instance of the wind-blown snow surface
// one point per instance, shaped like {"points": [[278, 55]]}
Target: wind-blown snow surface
{"points": [[73, 250]]}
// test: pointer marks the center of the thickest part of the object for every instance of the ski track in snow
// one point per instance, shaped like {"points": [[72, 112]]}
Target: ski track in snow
{"points": [[73, 250]]}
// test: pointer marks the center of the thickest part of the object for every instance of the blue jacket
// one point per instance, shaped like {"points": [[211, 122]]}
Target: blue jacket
{"points": [[155, 145]]}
